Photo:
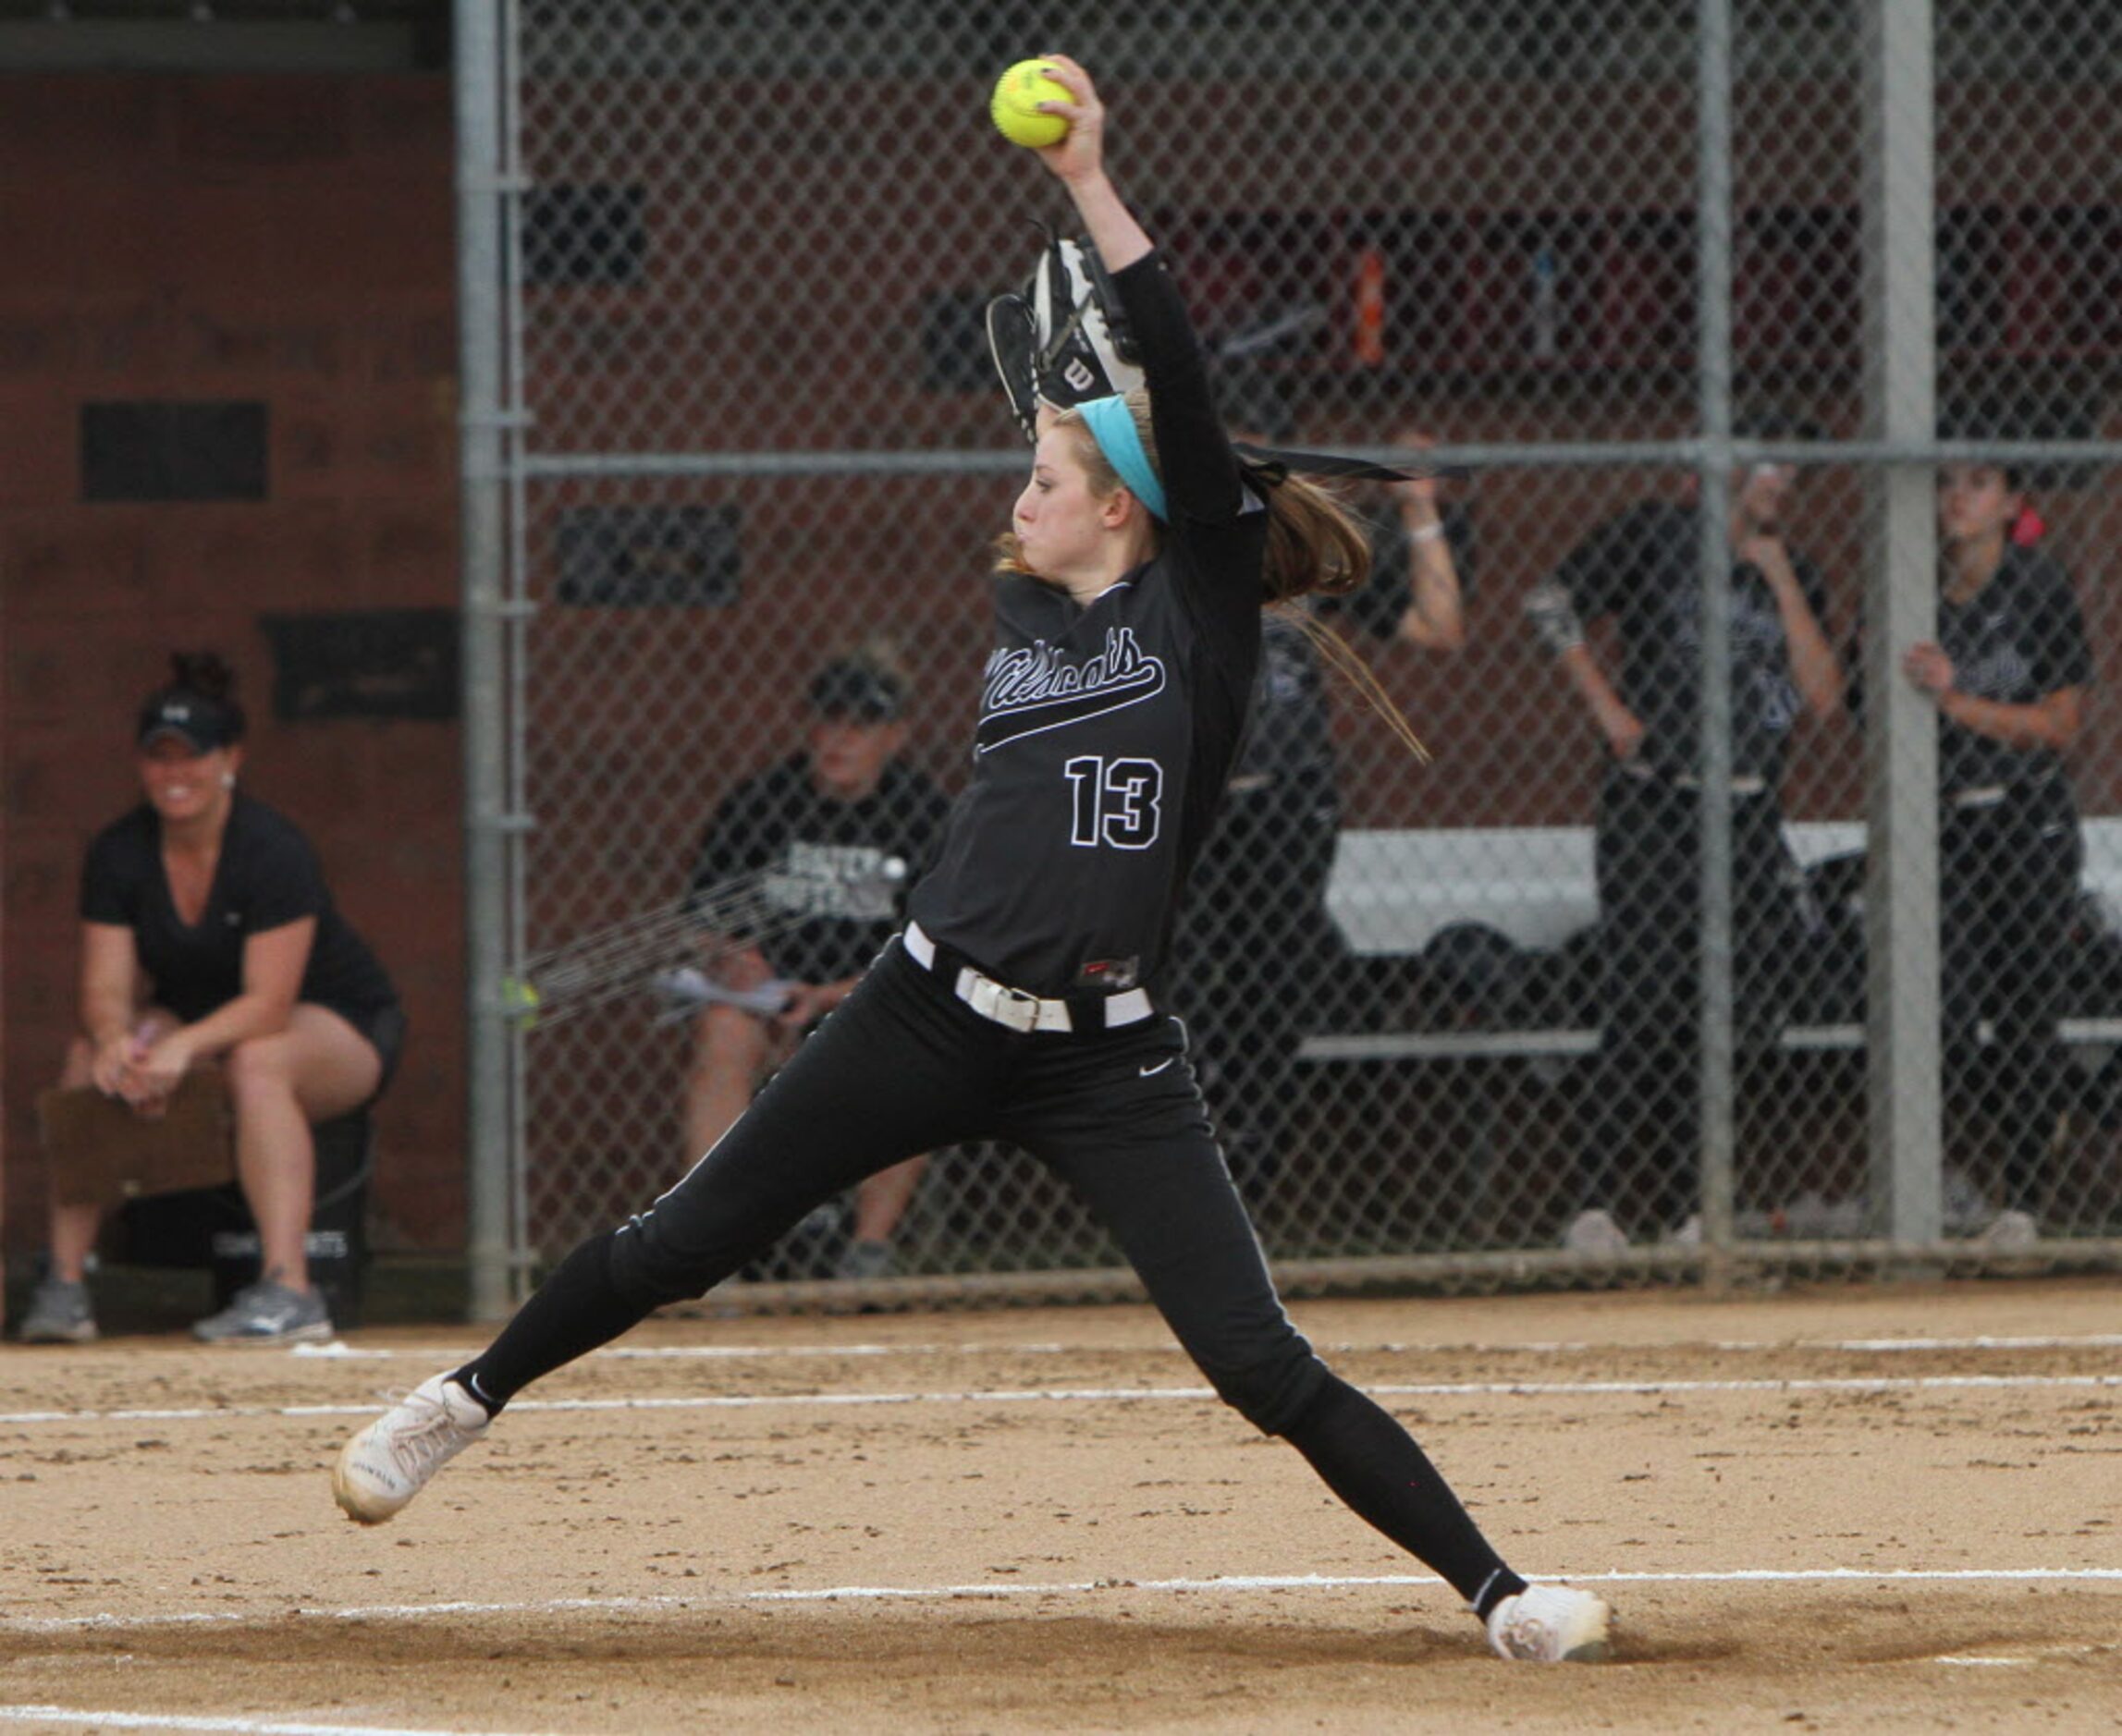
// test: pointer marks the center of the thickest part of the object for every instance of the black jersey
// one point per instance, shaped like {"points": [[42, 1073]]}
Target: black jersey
{"points": [[1107, 732], [267, 878], [1289, 735], [1384, 597], [1644, 567], [825, 883], [2016, 640]]}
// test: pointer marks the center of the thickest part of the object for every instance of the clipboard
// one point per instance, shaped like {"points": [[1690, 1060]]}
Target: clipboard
{"points": [[97, 1151]]}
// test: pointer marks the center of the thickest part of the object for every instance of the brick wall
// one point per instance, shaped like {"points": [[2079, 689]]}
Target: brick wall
{"points": [[286, 239]]}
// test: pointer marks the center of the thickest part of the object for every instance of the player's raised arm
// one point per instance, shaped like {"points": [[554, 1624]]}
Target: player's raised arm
{"points": [[1077, 160]]}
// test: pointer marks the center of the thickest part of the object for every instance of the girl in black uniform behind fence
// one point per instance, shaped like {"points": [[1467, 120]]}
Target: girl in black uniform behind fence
{"points": [[1019, 1003], [2008, 672]]}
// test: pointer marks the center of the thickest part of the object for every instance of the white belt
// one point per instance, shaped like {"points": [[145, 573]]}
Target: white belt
{"points": [[1013, 1007], [1743, 783], [1981, 796]]}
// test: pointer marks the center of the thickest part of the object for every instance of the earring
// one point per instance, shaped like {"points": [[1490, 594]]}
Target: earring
{"points": [[227, 781]]}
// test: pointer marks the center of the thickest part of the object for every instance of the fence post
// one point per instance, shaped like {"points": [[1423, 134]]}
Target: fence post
{"points": [[1900, 738], [1713, 364], [482, 528]]}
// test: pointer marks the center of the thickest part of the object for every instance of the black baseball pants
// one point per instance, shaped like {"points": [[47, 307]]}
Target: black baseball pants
{"points": [[1640, 1138], [902, 1067], [2008, 879]]}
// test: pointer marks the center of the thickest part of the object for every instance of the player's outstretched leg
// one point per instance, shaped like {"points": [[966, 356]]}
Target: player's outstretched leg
{"points": [[1550, 1624], [384, 1466]]}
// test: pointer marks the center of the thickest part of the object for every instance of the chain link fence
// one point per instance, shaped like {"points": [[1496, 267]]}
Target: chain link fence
{"points": [[1449, 1014]]}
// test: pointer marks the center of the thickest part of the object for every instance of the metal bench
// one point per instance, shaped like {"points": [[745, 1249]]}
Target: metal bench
{"points": [[1394, 890]]}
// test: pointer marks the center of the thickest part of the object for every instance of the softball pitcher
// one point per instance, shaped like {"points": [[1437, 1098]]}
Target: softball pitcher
{"points": [[1021, 1000]]}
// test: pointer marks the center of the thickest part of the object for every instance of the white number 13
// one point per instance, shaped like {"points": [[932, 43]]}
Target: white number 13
{"points": [[1115, 800]]}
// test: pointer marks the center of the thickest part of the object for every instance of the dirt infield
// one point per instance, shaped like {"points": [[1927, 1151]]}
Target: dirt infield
{"points": [[1850, 1510]]}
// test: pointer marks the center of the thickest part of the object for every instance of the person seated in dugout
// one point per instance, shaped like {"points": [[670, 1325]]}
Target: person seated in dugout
{"points": [[210, 938], [815, 853]]}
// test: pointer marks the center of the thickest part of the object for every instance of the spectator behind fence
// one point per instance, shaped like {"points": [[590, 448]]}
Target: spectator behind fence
{"points": [[820, 851], [2007, 672], [208, 936], [1637, 1131], [1256, 940], [1421, 560]]}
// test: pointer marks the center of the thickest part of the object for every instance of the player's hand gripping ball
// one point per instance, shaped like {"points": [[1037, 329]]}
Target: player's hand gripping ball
{"points": [[1015, 105]]}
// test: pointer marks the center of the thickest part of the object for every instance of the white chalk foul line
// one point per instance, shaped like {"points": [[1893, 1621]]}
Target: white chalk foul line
{"points": [[51, 1715], [69, 1717], [1110, 1395], [1537, 1346], [105, 1622]]}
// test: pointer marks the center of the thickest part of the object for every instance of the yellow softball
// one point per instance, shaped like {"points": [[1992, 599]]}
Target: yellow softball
{"points": [[1015, 105], [522, 1000]]}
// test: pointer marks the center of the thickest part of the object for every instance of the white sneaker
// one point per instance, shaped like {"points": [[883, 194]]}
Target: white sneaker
{"points": [[1688, 1235], [391, 1460], [1595, 1232], [1550, 1624], [2010, 1232], [1965, 1207]]}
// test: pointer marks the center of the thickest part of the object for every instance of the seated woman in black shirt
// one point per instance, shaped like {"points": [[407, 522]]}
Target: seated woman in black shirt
{"points": [[208, 934]]}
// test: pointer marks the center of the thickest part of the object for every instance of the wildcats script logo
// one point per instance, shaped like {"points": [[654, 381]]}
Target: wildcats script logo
{"points": [[1041, 687]]}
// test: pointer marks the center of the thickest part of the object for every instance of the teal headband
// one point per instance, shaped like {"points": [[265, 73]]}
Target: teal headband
{"points": [[1111, 425]]}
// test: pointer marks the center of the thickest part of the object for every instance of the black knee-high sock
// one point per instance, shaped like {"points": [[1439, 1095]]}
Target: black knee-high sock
{"points": [[572, 1313], [1374, 1465]]}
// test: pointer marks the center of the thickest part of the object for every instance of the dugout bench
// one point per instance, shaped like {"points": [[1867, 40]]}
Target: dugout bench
{"points": [[1473, 953], [1394, 893]]}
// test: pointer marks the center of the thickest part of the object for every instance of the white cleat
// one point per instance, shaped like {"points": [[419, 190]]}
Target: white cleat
{"points": [[383, 1467], [1550, 1624], [2010, 1232], [1595, 1234]]}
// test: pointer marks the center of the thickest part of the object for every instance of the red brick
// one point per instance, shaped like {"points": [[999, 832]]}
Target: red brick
{"points": [[221, 243], [67, 672], [403, 447], [411, 560], [407, 118], [261, 343], [77, 777], [123, 345], [274, 122], [87, 563], [307, 451], [405, 229], [419, 344], [117, 236], [42, 883], [34, 342], [42, 420], [112, 121]]}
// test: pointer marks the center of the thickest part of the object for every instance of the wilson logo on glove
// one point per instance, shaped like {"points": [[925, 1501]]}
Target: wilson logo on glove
{"points": [[1063, 340]]}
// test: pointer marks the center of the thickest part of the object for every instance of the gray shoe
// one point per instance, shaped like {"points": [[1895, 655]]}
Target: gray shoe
{"points": [[267, 1313], [59, 1313], [861, 1261]]}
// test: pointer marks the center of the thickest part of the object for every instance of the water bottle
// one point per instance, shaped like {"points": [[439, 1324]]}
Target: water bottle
{"points": [[1545, 311]]}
